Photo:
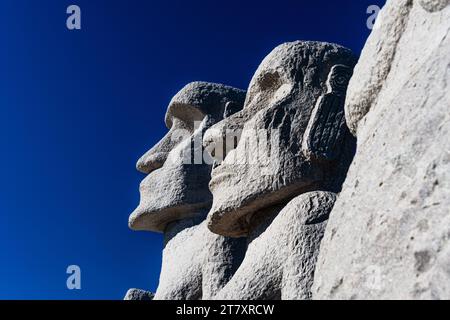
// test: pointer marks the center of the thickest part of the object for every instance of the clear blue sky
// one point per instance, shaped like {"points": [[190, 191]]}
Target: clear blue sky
{"points": [[78, 108]]}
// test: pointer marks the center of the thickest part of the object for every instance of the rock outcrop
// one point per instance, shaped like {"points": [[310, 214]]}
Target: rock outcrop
{"points": [[139, 295], [388, 235]]}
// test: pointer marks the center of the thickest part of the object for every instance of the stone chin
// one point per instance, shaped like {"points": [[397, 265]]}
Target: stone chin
{"points": [[165, 197], [238, 200], [156, 220]]}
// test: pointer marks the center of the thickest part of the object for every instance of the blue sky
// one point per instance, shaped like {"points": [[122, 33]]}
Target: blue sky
{"points": [[78, 108]]}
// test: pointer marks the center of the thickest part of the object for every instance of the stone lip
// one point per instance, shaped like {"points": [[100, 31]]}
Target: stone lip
{"points": [[240, 221], [157, 221]]}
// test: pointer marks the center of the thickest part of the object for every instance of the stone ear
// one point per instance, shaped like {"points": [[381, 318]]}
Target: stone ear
{"points": [[327, 128]]}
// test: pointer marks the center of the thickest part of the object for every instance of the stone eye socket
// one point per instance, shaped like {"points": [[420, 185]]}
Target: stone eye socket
{"points": [[269, 81], [341, 80]]}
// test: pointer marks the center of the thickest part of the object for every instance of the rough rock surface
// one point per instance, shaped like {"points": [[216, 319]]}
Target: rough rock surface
{"points": [[138, 294], [280, 261], [388, 236]]}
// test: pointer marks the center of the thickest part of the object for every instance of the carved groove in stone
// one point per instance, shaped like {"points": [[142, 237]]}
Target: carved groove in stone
{"points": [[327, 128]]}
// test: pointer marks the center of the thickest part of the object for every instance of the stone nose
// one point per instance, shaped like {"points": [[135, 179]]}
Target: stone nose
{"points": [[155, 158], [151, 161]]}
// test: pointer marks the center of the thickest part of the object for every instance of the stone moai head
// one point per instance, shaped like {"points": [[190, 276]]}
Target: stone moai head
{"points": [[176, 186], [290, 138]]}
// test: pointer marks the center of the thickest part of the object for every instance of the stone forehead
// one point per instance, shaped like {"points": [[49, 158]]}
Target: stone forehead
{"points": [[295, 60], [203, 98]]}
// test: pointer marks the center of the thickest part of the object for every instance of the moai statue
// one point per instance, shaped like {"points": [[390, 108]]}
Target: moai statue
{"points": [[175, 198], [278, 189]]}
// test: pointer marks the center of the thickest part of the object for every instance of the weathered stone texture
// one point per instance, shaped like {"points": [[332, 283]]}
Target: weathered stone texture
{"points": [[196, 263], [388, 236], [280, 261], [138, 294]]}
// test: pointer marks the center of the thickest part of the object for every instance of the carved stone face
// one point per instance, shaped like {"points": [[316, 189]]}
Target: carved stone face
{"points": [[176, 186], [294, 106]]}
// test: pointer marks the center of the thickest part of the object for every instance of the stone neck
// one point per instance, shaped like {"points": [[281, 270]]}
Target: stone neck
{"points": [[175, 227], [261, 220]]}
